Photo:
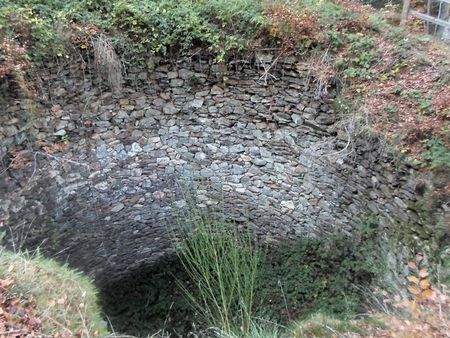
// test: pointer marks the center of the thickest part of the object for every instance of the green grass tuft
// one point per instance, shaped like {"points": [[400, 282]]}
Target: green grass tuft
{"points": [[223, 264]]}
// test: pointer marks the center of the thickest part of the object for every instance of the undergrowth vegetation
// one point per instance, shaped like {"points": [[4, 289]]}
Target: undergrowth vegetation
{"points": [[328, 275], [333, 286]]}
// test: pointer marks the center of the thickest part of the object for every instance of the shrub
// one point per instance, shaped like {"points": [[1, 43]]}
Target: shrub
{"points": [[321, 274], [437, 153], [14, 65], [293, 26]]}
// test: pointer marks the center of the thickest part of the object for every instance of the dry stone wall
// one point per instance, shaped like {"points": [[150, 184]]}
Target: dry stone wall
{"points": [[271, 153]]}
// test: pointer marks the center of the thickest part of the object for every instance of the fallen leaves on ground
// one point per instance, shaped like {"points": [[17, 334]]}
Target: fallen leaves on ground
{"points": [[18, 317]]}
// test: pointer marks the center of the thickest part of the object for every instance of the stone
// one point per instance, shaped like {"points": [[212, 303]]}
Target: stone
{"points": [[211, 148], [237, 148], [147, 122], [207, 172], [158, 195], [185, 74], [237, 170], [101, 151], [162, 161], [170, 109], [136, 147], [259, 162], [137, 114], [264, 57], [176, 82], [103, 124], [311, 111], [288, 204], [297, 119], [241, 190], [102, 186], [117, 207], [142, 76], [172, 75], [219, 68], [212, 109], [197, 103], [159, 103], [216, 90], [60, 132], [279, 167], [326, 119], [200, 156], [128, 151], [136, 134]]}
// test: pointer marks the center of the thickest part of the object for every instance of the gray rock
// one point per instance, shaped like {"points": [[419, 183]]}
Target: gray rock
{"points": [[207, 172], [216, 90], [172, 75], [200, 156], [122, 115], [288, 204], [197, 103], [176, 82], [259, 162], [162, 161], [185, 74], [297, 119], [102, 186], [136, 147], [136, 134], [237, 148], [211, 148], [117, 207], [170, 109], [60, 132], [237, 169], [101, 151]]}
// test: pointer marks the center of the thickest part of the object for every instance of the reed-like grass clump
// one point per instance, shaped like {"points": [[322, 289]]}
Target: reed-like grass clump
{"points": [[223, 263]]}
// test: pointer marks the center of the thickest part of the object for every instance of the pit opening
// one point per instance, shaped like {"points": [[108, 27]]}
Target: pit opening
{"points": [[148, 300], [297, 279]]}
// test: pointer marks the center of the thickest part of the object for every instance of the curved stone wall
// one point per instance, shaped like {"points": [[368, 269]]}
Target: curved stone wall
{"points": [[272, 153]]}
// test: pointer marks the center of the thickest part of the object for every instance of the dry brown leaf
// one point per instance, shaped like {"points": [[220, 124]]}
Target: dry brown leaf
{"points": [[414, 290], [413, 279], [5, 284], [427, 293], [62, 300], [425, 284], [412, 265], [423, 273]]}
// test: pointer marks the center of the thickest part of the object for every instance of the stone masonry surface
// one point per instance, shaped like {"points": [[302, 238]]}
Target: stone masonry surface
{"points": [[270, 154]]}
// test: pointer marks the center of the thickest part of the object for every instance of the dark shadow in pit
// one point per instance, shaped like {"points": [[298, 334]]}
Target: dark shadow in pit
{"points": [[149, 300]]}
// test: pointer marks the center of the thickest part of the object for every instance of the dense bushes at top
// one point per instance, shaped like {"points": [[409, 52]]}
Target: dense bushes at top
{"points": [[172, 27], [53, 30], [136, 27]]}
